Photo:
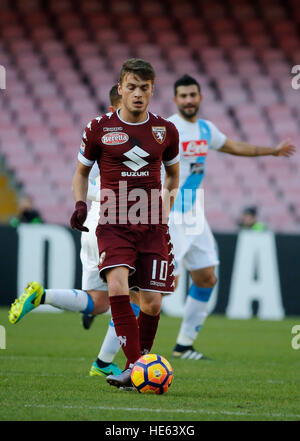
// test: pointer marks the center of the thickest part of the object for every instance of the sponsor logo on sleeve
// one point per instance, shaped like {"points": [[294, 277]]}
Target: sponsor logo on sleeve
{"points": [[115, 138], [159, 133], [82, 147]]}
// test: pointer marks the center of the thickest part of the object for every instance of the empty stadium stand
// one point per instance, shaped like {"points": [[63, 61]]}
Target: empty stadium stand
{"points": [[62, 57]]}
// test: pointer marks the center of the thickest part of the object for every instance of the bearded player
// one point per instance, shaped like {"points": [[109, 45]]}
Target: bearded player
{"points": [[197, 252], [129, 146]]}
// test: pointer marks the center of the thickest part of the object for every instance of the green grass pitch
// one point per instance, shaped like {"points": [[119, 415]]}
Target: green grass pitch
{"points": [[254, 373]]}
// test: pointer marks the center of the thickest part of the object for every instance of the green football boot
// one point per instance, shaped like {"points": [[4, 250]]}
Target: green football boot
{"points": [[111, 369], [30, 299]]}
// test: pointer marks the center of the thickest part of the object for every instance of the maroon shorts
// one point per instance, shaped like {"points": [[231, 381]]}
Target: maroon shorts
{"points": [[145, 249]]}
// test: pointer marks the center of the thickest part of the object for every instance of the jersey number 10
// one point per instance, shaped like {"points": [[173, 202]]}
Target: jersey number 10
{"points": [[163, 270]]}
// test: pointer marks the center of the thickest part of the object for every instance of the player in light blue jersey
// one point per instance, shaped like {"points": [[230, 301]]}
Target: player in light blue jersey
{"points": [[197, 251]]}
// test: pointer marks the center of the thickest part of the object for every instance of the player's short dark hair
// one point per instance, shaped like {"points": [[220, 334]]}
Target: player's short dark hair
{"points": [[114, 96], [138, 67], [250, 210], [186, 80]]}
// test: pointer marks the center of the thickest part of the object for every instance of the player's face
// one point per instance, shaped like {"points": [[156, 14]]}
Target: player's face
{"points": [[187, 100], [136, 93], [248, 220]]}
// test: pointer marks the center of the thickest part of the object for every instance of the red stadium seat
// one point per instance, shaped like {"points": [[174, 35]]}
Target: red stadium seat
{"points": [[118, 50], [243, 12], [35, 18], [178, 52], [198, 40], [29, 6], [220, 66], [192, 25], [130, 22], [167, 39], [76, 35], [121, 7], [137, 37], [12, 32], [274, 12], [265, 97], [62, 5], [213, 10], [68, 19], [223, 25], [211, 53], [244, 111], [8, 16], [259, 41], [241, 54], [185, 66], [62, 60], [42, 33], [229, 40], [91, 7], [21, 46], [254, 26], [150, 9], [248, 69], [182, 9], [148, 51]]}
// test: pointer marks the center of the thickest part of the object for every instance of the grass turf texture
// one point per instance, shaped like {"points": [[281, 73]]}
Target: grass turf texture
{"points": [[254, 374]]}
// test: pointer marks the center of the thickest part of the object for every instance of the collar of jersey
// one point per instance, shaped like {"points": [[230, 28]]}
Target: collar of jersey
{"points": [[132, 124]]}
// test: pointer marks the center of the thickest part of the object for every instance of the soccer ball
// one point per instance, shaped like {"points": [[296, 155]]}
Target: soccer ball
{"points": [[152, 373]]}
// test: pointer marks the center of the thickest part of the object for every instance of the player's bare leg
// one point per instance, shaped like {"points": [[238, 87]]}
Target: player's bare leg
{"points": [[101, 305], [195, 313]]}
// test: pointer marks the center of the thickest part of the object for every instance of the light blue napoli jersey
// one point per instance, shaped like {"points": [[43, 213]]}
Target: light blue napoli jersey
{"points": [[93, 193], [194, 141]]}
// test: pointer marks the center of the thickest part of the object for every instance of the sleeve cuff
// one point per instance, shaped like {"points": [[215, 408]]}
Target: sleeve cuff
{"points": [[85, 161], [172, 161], [221, 142]]}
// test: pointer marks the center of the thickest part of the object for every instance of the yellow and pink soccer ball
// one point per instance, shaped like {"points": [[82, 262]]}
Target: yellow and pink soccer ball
{"points": [[152, 373]]}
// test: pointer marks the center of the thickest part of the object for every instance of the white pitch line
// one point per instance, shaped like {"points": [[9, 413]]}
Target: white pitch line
{"points": [[78, 375], [21, 374], [41, 357], [179, 411]]}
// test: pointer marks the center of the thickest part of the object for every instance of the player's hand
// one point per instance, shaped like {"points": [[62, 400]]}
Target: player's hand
{"points": [[285, 148], [79, 216]]}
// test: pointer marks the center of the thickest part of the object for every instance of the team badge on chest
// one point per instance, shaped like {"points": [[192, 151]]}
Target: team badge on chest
{"points": [[159, 134]]}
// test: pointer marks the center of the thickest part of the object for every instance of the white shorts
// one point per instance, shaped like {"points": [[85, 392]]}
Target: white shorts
{"points": [[89, 256], [193, 251]]}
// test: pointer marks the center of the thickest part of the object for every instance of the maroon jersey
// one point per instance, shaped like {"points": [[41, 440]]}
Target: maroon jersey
{"points": [[129, 157]]}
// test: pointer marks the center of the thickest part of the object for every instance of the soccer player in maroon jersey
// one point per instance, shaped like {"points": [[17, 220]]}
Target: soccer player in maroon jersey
{"points": [[133, 238]]}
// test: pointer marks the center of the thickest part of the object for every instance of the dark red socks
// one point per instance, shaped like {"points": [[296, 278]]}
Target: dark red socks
{"points": [[147, 326], [126, 327]]}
